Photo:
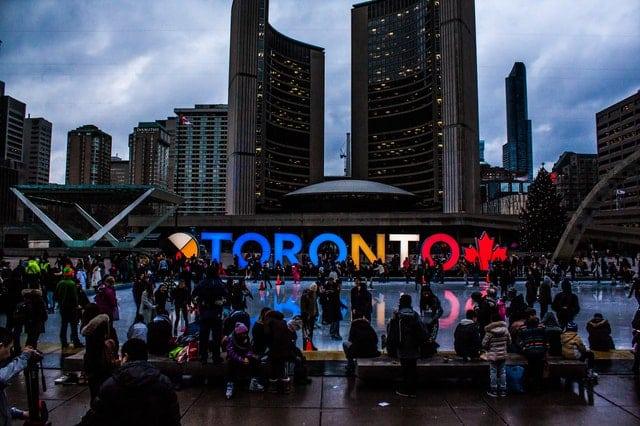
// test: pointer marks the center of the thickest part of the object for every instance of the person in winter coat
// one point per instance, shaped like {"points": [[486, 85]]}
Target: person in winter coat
{"points": [[431, 311], [138, 329], [495, 342], [137, 393], [159, 335], [405, 336], [599, 334], [9, 370], [181, 298], [532, 287], [258, 339], [242, 362], [236, 316], [211, 296], [106, 299], [467, 341], [309, 314], [534, 347], [69, 305], [573, 347], [147, 305], [362, 343], [332, 308], [361, 301], [566, 304], [552, 333], [161, 296], [544, 295], [101, 349], [281, 349], [32, 316]]}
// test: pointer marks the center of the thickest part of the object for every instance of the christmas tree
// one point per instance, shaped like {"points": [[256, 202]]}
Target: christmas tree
{"points": [[543, 220]]}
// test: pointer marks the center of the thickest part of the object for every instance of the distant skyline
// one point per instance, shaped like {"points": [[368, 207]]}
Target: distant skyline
{"points": [[114, 64]]}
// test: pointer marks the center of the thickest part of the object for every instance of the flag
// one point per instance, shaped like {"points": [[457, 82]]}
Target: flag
{"points": [[184, 121]]}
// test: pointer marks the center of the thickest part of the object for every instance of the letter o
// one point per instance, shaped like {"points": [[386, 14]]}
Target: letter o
{"points": [[323, 238], [446, 239], [251, 236]]}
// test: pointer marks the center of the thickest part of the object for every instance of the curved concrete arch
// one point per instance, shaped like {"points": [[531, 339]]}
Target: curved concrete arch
{"points": [[583, 215]]}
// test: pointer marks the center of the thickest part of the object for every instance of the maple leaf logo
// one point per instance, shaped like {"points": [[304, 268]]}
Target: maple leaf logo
{"points": [[485, 252]]}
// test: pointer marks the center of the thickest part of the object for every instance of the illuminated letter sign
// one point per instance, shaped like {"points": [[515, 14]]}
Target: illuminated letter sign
{"points": [[441, 238], [358, 244], [251, 236], [485, 252], [280, 252], [322, 238], [404, 240], [216, 238]]}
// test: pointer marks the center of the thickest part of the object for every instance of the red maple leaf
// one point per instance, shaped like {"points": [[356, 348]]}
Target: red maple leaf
{"points": [[485, 252]]}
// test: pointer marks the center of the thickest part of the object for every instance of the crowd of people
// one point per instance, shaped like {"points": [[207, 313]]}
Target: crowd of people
{"points": [[210, 302]]}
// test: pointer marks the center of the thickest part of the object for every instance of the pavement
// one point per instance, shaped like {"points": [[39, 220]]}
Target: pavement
{"points": [[331, 400]]}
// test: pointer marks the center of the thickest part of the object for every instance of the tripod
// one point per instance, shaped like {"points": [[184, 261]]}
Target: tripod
{"points": [[38, 412]]}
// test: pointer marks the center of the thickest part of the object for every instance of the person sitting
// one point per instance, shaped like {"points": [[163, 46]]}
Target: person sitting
{"points": [[242, 362], [430, 311], [362, 343], [495, 342], [467, 341], [300, 369], [599, 334], [574, 348], [552, 333], [137, 393], [138, 329], [159, 335], [517, 326], [405, 337], [280, 351], [534, 348]]}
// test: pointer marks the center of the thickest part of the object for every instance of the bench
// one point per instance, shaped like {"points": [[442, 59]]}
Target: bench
{"points": [[448, 366]]}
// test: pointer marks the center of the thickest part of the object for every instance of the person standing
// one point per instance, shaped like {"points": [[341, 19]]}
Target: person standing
{"points": [[566, 304], [544, 295], [32, 313], [102, 348], [106, 299], [309, 314], [210, 296], [405, 337], [69, 305], [495, 342], [181, 299], [361, 301], [332, 309], [147, 305]]}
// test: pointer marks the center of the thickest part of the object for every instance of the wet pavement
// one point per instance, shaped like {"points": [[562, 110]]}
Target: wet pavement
{"points": [[612, 302]]}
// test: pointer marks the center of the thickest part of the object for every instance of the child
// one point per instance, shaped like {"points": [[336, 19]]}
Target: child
{"points": [[242, 361], [574, 348], [495, 342]]}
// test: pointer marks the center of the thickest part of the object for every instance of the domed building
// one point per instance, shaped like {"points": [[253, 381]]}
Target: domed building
{"points": [[347, 195]]}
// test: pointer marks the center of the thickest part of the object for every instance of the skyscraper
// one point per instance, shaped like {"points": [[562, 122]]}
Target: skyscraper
{"points": [[414, 99], [576, 176], [201, 159], [618, 132], [88, 156], [120, 173], [11, 153], [276, 112], [37, 150], [517, 153], [149, 155], [170, 125]]}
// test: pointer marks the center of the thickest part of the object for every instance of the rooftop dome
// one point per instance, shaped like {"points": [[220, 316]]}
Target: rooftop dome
{"points": [[349, 195]]}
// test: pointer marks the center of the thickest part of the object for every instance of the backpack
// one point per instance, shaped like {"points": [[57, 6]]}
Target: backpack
{"points": [[22, 312]]}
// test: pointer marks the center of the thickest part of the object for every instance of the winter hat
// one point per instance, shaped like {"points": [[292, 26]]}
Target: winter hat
{"points": [[240, 328], [572, 327], [313, 287], [405, 301], [67, 272]]}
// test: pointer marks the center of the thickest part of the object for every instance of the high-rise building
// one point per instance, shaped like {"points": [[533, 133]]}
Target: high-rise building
{"points": [[37, 150], [88, 156], [517, 153], [170, 126], [276, 112], [201, 159], [149, 155], [11, 153], [414, 99], [120, 172], [576, 176], [618, 132], [481, 152]]}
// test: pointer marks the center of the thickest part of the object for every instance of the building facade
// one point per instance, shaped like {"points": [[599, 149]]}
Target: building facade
{"points": [[88, 156], [170, 125], [120, 173], [201, 159], [517, 153], [414, 99], [149, 146], [12, 113], [618, 132], [576, 176], [276, 112], [37, 150]]}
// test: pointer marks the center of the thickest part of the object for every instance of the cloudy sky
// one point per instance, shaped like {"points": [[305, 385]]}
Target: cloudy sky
{"points": [[114, 63]]}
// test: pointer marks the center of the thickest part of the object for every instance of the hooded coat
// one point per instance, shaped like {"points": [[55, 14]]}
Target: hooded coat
{"points": [[467, 341], [405, 334], [96, 333], [552, 331], [136, 394], [572, 345], [600, 335], [496, 340], [566, 304]]}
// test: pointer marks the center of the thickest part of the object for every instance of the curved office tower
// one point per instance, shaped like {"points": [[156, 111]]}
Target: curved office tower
{"points": [[276, 112], [414, 99]]}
